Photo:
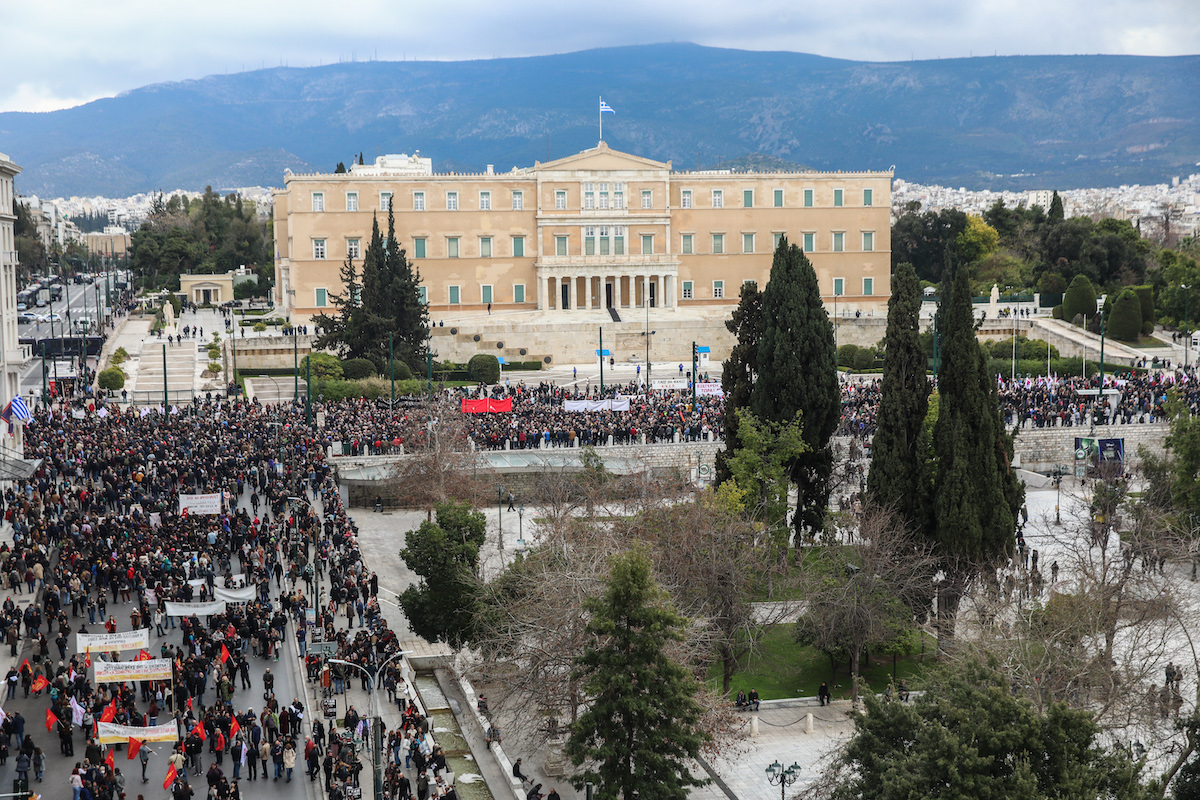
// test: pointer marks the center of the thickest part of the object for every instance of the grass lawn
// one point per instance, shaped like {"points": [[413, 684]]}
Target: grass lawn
{"points": [[1148, 342], [783, 668]]}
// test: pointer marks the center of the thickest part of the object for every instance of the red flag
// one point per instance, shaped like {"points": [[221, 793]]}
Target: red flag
{"points": [[51, 720], [134, 746], [108, 759], [189, 704], [143, 656], [199, 729], [234, 727], [184, 513], [40, 683], [110, 711], [25, 666], [171, 775], [87, 660], [224, 653]]}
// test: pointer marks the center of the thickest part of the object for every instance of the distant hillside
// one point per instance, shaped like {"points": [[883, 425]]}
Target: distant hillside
{"points": [[1016, 122]]}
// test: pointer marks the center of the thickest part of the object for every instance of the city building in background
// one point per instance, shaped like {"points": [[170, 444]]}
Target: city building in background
{"points": [[599, 229], [11, 355]]}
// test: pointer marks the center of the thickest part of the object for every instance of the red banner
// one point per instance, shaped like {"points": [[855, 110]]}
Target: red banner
{"points": [[487, 405]]}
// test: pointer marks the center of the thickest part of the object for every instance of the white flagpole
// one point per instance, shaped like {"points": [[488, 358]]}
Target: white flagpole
{"points": [[600, 115]]}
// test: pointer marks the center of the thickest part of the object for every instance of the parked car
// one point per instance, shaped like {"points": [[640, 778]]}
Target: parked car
{"points": [[28, 316]]}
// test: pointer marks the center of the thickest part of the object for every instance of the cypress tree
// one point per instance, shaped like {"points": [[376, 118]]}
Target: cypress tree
{"points": [[797, 372], [976, 494], [898, 476], [642, 729], [1055, 214], [740, 370]]}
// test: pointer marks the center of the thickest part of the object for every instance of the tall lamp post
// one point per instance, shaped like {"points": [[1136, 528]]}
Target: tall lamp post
{"points": [[783, 777], [520, 526], [500, 514], [1057, 477], [1187, 319], [376, 731]]}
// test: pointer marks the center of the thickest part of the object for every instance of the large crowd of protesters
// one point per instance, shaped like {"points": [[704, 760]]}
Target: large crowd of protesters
{"points": [[98, 531]]}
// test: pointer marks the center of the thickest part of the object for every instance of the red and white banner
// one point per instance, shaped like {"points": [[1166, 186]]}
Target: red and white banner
{"points": [[487, 405]]}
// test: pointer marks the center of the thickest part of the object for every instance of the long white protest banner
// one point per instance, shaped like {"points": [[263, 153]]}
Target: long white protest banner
{"points": [[112, 733], [155, 669], [243, 595], [107, 642], [174, 609], [200, 503]]}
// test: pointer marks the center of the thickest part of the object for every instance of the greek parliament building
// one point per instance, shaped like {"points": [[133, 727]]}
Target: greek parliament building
{"points": [[599, 229]]}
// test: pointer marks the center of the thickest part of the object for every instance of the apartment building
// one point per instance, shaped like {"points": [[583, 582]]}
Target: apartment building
{"points": [[11, 355], [598, 229]]}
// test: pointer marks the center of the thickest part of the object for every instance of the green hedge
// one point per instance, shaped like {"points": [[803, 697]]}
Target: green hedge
{"points": [[523, 365], [252, 322]]}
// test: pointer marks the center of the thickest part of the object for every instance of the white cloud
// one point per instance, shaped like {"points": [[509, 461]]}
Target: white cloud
{"points": [[61, 52]]}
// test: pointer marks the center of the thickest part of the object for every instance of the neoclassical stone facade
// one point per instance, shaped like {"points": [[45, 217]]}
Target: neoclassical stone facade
{"points": [[599, 229]]}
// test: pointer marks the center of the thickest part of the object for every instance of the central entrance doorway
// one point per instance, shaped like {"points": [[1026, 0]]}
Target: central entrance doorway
{"points": [[608, 295], [566, 297]]}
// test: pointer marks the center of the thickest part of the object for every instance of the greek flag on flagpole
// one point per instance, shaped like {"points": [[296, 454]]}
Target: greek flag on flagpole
{"points": [[606, 108], [20, 410]]}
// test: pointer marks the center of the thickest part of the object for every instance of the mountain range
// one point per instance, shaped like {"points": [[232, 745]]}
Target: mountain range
{"points": [[1016, 122]]}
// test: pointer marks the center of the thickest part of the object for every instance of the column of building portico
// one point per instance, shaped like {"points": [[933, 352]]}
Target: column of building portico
{"points": [[543, 299], [587, 292], [571, 292], [632, 294], [660, 299], [552, 291]]}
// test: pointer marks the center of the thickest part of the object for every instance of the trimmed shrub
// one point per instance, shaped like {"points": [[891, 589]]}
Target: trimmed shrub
{"points": [[484, 368], [112, 379], [1057, 311], [845, 355], [324, 366], [214, 367], [259, 327], [864, 358], [1126, 321], [355, 368], [1080, 299]]}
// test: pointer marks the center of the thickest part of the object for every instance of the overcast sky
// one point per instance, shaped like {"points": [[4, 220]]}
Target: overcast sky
{"points": [[60, 53]]}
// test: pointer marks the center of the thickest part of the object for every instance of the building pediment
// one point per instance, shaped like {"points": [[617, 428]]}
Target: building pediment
{"points": [[603, 159]]}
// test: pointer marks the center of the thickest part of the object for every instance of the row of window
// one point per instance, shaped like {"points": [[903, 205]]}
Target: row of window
{"points": [[597, 198], [487, 294], [608, 240]]}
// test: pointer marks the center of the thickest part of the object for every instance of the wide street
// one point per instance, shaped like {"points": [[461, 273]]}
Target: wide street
{"points": [[79, 301], [58, 767]]}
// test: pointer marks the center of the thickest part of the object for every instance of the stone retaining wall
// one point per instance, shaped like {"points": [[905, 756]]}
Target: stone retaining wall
{"points": [[1041, 449]]}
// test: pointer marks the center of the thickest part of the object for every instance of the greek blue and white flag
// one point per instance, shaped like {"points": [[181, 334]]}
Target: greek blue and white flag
{"points": [[605, 108], [20, 410]]}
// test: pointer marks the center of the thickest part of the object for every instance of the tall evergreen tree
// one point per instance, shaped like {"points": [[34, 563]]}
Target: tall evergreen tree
{"points": [[1055, 214], [976, 494], [797, 372], [898, 476], [641, 730], [339, 329], [410, 316], [740, 370]]}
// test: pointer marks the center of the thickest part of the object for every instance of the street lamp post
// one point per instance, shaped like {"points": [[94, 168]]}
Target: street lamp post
{"points": [[783, 777], [500, 514], [1057, 476], [377, 745], [520, 525], [1187, 318]]}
